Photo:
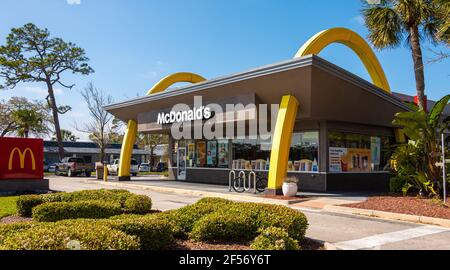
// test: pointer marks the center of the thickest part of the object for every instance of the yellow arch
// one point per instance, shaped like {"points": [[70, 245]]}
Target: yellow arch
{"points": [[355, 42], [131, 132], [166, 82], [289, 105]]}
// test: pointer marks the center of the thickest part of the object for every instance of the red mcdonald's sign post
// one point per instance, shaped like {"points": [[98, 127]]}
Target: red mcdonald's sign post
{"points": [[21, 158]]}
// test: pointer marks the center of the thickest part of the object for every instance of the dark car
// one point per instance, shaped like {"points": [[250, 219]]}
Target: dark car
{"points": [[160, 167]]}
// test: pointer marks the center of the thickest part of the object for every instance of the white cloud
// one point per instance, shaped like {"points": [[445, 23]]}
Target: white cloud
{"points": [[73, 2]]}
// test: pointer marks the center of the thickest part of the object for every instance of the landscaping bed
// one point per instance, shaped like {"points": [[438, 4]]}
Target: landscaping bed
{"points": [[118, 219], [405, 205]]}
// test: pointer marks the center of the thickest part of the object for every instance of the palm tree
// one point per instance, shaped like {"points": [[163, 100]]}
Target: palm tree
{"points": [[393, 22], [27, 121]]}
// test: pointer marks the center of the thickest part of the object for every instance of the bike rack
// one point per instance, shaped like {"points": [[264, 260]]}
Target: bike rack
{"points": [[243, 175], [250, 179], [230, 179]]}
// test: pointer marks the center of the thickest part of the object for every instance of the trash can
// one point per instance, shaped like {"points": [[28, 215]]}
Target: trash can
{"points": [[99, 170]]}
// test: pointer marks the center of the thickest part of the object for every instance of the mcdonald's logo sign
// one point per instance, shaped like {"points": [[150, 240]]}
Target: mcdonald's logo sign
{"points": [[21, 158]]}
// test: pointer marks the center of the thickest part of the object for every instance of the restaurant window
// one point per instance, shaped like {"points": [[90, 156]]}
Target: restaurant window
{"points": [[174, 154], [304, 152], [358, 153], [223, 154], [190, 150], [200, 154], [251, 154]]}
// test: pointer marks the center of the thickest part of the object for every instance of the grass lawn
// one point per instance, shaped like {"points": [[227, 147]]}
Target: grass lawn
{"points": [[7, 206]]}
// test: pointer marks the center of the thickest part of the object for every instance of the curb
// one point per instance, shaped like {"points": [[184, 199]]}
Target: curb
{"points": [[388, 215], [190, 192]]}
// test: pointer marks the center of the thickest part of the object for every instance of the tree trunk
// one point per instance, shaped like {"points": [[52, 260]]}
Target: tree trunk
{"points": [[418, 65], [59, 141]]}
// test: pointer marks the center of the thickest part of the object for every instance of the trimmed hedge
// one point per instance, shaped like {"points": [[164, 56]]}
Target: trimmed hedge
{"points": [[153, 233], [224, 227], [274, 238], [25, 204], [82, 235], [257, 216], [138, 204], [73, 210], [183, 219], [131, 203], [220, 219]]}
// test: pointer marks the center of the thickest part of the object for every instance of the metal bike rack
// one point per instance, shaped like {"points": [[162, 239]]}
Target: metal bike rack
{"points": [[231, 177], [243, 176], [250, 180]]}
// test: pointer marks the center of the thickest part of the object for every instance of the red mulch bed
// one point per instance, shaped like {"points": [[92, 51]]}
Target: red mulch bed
{"points": [[285, 198], [406, 205], [307, 244], [13, 219]]}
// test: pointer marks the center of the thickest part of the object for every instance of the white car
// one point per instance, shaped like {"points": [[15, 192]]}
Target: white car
{"points": [[113, 168], [144, 167]]}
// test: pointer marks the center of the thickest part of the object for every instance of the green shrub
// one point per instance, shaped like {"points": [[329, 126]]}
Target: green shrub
{"points": [[183, 219], [153, 233], [72, 210], [396, 184], [79, 235], [25, 204], [274, 238], [224, 227], [138, 204], [293, 221], [8, 229], [96, 195]]}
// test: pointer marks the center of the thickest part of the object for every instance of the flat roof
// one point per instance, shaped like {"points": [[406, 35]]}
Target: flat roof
{"points": [[309, 60]]}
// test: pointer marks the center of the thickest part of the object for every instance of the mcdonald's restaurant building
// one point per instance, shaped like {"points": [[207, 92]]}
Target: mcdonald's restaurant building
{"points": [[333, 129]]}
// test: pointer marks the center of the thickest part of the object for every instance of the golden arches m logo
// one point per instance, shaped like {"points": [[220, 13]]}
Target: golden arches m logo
{"points": [[22, 156]]}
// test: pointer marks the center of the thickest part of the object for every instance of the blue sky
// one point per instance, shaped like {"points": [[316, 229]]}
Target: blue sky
{"points": [[134, 43]]}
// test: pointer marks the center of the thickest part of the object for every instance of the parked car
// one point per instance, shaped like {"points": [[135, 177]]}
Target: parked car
{"points": [[144, 167], [52, 167], [113, 168], [71, 166], [46, 166], [160, 167]]}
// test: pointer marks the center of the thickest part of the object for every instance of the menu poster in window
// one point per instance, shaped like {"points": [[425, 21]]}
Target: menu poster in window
{"points": [[223, 154], [201, 153], [375, 149], [211, 157], [335, 154], [191, 154], [350, 159]]}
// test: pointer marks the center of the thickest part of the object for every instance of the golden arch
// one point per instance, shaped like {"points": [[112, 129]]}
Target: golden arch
{"points": [[131, 132], [355, 42], [22, 156], [289, 104]]}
